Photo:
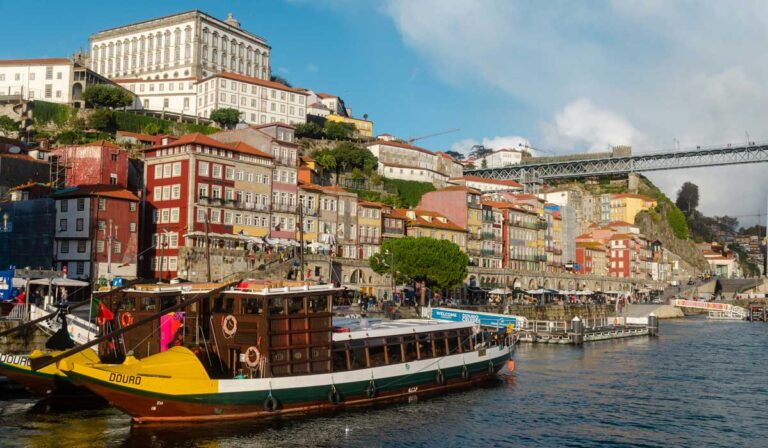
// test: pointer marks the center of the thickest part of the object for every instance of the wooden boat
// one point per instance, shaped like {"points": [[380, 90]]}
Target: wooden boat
{"points": [[272, 351], [133, 303]]}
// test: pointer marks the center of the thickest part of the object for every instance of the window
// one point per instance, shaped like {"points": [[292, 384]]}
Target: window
{"points": [[80, 268], [177, 169], [132, 207], [81, 247], [102, 204], [167, 170], [176, 191], [166, 192], [202, 168], [99, 246], [230, 173], [63, 205], [80, 204], [65, 247], [216, 171], [48, 90], [79, 225], [132, 227], [62, 225]]}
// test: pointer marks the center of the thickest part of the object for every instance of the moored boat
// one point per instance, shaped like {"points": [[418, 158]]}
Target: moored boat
{"points": [[271, 351], [47, 381]]}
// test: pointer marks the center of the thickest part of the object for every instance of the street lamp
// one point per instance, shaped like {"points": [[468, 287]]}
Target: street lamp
{"points": [[162, 254], [392, 270]]}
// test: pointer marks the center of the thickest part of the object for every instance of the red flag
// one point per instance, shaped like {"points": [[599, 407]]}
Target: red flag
{"points": [[105, 313]]}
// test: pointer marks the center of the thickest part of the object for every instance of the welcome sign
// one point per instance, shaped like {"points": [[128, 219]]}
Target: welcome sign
{"points": [[479, 318]]}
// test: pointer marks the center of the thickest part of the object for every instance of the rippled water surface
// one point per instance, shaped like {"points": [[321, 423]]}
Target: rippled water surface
{"points": [[699, 384]]}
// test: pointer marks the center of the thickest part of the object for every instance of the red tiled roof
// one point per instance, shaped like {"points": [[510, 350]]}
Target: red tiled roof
{"points": [[325, 95], [42, 61], [248, 149], [108, 191], [252, 80], [401, 213], [510, 183], [21, 157], [371, 204], [460, 188], [620, 223], [137, 136], [631, 195]]}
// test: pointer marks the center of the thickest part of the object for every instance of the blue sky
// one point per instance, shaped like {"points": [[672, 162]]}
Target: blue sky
{"points": [[562, 75]]}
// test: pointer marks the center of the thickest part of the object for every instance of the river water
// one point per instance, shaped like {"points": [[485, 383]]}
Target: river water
{"points": [[700, 383]]}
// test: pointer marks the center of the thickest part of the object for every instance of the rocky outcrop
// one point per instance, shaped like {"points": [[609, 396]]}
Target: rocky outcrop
{"points": [[655, 227]]}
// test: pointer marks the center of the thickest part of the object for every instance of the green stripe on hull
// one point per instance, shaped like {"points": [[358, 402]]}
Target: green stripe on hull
{"points": [[36, 373], [306, 394]]}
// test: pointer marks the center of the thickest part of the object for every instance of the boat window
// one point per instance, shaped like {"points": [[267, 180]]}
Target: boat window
{"points": [[126, 304], [425, 345], [318, 304], [167, 302], [229, 305], [296, 305], [148, 304], [466, 337], [357, 354], [339, 356], [376, 352], [453, 342], [438, 343], [409, 344], [251, 306], [394, 350], [276, 306], [218, 305]]}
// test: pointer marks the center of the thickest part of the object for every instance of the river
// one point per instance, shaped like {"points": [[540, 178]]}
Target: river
{"points": [[700, 383]]}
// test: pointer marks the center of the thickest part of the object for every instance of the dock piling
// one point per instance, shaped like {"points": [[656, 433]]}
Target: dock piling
{"points": [[653, 325], [577, 331]]}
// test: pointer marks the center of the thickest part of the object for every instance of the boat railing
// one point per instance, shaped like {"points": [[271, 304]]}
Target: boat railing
{"points": [[17, 312]]}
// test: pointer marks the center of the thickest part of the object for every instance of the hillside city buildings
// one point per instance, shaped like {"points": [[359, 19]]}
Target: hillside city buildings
{"points": [[205, 207]]}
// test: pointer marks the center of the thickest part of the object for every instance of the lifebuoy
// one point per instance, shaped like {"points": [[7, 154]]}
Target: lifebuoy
{"points": [[252, 356], [229, 325], [126, 319], [440, 377], [271, 404], [464, 372], [334, 397], [371, 390]]}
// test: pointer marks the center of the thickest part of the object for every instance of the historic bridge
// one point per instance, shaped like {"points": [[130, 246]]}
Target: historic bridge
{"points": [[609, 164]]}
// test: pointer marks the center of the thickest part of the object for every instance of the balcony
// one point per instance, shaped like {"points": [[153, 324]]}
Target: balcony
{"points": [[488, 236], [369, 239], [284, 208]]}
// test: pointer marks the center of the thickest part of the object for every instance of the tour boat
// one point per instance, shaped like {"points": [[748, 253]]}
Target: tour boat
{"points": [[267, 351], [119, 310]]}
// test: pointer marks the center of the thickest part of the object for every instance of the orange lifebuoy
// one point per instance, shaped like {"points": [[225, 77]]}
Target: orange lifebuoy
{"points": [[252, 356], [126, 319], [229, 325]]}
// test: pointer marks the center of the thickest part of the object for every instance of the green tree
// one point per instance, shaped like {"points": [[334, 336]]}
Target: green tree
{"points": [[479, 151], [438, 263], [677, 222], [455, 154], [688, 198], [103, 95], [152, 129], [8, 125], [280, 79], [338, 131], [226, 117], [309, 130], [102, 120]]}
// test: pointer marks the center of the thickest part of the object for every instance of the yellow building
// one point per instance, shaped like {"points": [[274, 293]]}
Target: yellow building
{"points": [[309, 198], [422, 223], [369, 227], [252, 191], [363, 127], [625, 206]]}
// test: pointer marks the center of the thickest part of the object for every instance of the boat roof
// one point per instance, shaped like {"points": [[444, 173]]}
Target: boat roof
{"points": [[349, 328], [285, 290]]}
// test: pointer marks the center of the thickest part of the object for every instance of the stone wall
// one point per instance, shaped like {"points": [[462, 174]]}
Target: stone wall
{"points": [[23, 341]]}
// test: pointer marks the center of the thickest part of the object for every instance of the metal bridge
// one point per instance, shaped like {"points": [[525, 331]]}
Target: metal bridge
{"points": [[532, 173]]}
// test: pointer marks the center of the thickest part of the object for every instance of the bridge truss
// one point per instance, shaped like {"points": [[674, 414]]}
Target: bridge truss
{"points": [[534, 173]]}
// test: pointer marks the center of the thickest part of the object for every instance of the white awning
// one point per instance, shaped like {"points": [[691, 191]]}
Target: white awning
{"points": [[59, 282]]}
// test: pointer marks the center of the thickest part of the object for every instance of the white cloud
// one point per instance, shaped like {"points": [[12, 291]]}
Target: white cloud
{"points": [[500, 142], [582, 124], [644, 72]]}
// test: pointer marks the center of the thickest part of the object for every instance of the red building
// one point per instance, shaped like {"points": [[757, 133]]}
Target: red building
{"points": [[96, 163], [96, 233], [622, 248], [198, 186]]}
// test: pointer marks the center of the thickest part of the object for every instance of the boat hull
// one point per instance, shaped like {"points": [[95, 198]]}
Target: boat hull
{"points": [[236, 399], [49, 381]]}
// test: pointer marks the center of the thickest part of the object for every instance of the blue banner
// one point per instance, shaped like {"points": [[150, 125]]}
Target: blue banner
{"points": [[484, 319], [6, 284]]}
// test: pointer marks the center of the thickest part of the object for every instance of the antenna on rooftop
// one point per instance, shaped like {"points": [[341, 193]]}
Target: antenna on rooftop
{"points": [[413, 139]]}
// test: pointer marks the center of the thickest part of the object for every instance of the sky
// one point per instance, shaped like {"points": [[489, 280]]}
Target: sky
{"points": [[561, 76]]}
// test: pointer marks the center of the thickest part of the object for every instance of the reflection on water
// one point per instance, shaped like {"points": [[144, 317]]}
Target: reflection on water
{"points": [[700, 384]]}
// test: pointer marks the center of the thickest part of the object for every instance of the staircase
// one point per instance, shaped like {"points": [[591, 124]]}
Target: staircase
{"points": [[80, 330]]}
